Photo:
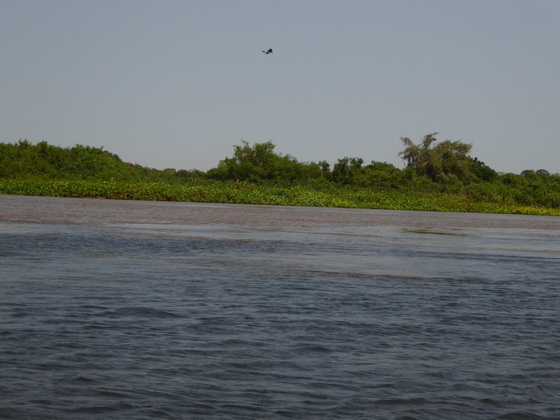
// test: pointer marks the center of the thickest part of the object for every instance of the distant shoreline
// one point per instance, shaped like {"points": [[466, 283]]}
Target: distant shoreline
{"points": [[248, 193]]}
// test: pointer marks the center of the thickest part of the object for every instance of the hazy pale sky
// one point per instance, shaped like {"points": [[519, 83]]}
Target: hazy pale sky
{"points": [[176, 84]]}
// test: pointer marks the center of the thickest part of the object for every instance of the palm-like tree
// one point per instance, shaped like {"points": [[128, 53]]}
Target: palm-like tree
{"points": [[446, 162]]}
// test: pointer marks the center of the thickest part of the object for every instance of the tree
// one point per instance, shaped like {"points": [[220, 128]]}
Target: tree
{"points": [[381, 175], [482, 171], [259, 162], [446, 162], [346, 170]]}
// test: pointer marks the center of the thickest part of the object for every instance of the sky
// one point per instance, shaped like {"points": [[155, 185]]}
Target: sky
{"points": [[178, 83]]}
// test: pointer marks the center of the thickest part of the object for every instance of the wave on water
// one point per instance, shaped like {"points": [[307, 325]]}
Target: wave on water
{"points": [[308, 317]]}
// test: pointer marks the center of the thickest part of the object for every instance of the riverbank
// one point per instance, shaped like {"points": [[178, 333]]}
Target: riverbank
{"points": [[247, 193]]}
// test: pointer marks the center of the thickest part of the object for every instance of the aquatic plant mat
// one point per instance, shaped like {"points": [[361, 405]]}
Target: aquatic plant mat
{"points": [[298, 195]]}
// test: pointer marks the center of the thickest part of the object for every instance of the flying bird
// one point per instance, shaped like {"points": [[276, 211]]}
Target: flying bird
{"points": [[269, 51]]}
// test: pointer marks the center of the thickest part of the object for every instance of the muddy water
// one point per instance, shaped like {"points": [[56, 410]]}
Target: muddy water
{"points": [[120, 309]]}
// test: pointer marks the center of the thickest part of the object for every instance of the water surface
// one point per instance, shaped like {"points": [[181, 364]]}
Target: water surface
{"points": [[119, 309]]}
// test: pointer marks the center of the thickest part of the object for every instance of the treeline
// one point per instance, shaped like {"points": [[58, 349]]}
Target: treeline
{"points": [[431, 166], [23, 160], [444, 163]]}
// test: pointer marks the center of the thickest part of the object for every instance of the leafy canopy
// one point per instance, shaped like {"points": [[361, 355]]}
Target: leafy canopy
{"points": [[446, 162]]}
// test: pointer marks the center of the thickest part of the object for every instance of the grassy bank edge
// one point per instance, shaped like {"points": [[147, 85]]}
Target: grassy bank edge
{"points": [[247, 193]]}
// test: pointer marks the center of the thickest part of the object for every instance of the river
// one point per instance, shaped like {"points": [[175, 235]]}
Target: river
{"points": [[142, 310]]}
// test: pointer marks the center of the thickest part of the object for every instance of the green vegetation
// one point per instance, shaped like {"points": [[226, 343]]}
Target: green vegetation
{"points": [[43, 161], [439, 176]]}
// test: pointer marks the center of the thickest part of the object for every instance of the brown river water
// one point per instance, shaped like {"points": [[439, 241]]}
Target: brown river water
{"points": [[130, 309]]}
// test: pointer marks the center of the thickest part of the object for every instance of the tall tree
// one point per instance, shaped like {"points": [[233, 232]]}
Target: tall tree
{"points": [[260, 162], [346, 170], [446, 162]]}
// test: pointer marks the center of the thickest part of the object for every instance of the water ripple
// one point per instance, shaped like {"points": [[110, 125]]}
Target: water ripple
{"points": [[314, 321]]}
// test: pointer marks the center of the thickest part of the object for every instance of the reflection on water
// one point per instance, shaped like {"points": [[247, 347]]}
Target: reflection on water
{"points": [[116, 309]]}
